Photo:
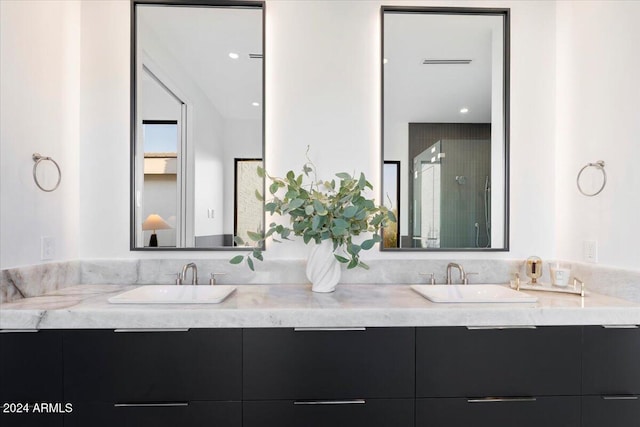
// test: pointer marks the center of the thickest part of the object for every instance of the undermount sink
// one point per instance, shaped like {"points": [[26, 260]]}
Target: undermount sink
{"points": [[472, 294], [174, 294]]}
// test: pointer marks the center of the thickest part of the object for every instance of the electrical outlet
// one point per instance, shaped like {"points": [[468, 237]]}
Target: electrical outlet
{"points": [[211, 214], [590, 251], [47, 248]]}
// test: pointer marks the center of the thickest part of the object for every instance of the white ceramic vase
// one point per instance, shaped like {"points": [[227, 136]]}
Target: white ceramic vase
{"points": [[323, 269]]}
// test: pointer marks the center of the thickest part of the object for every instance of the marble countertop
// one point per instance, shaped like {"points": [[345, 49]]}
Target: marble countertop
{"points": [[86, 307]]}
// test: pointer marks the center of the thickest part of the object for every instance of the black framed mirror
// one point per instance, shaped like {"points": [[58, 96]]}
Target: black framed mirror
{"points": [[445, 120], [197, 97]]}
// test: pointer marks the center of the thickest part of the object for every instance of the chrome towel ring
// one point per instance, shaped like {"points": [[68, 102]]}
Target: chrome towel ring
{"points": [[598, 165], [37, 158]]}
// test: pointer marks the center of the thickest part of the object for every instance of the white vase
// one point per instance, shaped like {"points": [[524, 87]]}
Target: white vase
{"points": [[323, 269]]}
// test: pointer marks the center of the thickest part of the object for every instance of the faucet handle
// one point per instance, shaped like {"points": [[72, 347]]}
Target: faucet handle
{"points": [[212, 278], [177, 276], [466, 278], [432, 280]]}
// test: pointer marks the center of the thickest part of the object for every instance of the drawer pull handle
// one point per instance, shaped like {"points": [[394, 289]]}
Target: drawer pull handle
{"points": [[620, 397], [330, 402], [501, 399], [11, 331], [151, 330], [485, 328], [152, 405], [620, 326], [327, 329]]}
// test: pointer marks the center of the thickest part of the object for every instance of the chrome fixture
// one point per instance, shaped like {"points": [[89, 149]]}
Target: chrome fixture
{"points": [[466, 278], [194, 276], [432, 279], [459, 267], [212, 278]]}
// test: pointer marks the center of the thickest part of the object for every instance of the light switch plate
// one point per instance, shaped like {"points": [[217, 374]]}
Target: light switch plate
{"points": [[47, 248], [590, 251]]}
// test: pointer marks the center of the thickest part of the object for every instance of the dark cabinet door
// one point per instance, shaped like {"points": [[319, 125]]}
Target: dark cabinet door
{"points": [[611, 361], [456, 362], [187, 414], [161, 366], [610, 411], [525, 412], [30, 372], [31, 366], [328, 364], [31, 420], [358, 413]]}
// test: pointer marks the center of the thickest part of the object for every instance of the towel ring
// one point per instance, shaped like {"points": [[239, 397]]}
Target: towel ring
{"points": [[598, 165], [37, 158]]}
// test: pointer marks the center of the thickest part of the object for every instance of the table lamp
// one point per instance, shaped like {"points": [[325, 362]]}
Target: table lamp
{"points": [[154, 222]]}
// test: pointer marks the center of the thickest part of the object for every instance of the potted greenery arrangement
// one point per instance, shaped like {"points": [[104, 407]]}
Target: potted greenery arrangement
{"points": [[328, 214]]}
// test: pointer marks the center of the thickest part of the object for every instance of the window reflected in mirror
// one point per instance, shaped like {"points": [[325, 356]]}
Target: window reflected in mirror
{"points": [[160, 141]]}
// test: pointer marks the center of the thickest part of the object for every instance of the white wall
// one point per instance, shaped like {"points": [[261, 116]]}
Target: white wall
{"points": [[39, 112], [597, 100], [323, 90]]}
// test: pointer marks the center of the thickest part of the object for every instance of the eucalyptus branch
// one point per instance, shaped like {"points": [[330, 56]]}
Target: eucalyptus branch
{"points": [[338, 214]]}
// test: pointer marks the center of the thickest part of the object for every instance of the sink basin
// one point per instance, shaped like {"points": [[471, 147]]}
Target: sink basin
{"points": [[174, 294], [472, 293]]}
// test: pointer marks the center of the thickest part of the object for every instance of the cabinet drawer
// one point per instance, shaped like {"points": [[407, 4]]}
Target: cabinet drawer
{"points": [[31, 367], [188, 414], [109, 366], [364, 413], [610, 411], [460, 412], [329, 364], [611, 360], [461, 362]]}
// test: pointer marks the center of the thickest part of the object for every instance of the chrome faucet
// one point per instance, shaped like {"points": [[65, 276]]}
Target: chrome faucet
{"points": [[194, 276], [459, 267]]}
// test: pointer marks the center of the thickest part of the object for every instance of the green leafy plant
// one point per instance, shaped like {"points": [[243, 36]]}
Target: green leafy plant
{"points": [[335, 210]]}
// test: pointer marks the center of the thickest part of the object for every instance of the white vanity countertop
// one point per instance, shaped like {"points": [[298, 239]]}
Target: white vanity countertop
{"points": [[255, 306]]}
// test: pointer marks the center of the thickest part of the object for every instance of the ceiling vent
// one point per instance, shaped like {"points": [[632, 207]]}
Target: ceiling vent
{"points": [[446, 61], [255, 55]]}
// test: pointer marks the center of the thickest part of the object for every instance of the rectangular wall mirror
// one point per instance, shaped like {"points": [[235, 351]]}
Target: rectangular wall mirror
{"points": [[197, 125], [445, 123]]}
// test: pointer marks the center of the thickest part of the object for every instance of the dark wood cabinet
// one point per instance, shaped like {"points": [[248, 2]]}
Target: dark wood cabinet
{"points": [[153, 366], [30, 372], [328, 364], [172, 414], [355, 413], [374, 377], [611, 361], [610, 411], [160, 378], [468, 362], [339, 377], [521, 412], [32, 363]]}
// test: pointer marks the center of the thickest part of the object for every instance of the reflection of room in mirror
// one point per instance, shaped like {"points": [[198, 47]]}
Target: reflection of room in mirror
{"points": [[444, 117], [201, 68]]}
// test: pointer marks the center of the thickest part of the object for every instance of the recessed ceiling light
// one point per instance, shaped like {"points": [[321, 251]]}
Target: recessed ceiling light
{"points": [[255, 104], [464, 110], [233, 55]]}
